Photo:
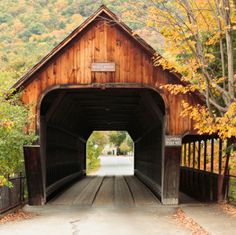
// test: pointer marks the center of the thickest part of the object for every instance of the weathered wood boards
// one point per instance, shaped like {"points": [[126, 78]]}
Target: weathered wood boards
{"points": [[119, 191], [34, 173], [104, 39]]}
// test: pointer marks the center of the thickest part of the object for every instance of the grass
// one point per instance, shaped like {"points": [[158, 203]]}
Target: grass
{"points": [[232, 189], [92, 166]]}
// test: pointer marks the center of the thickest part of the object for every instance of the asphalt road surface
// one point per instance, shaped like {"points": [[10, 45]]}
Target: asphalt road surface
{"points": [[113, 165], [117, 205]]}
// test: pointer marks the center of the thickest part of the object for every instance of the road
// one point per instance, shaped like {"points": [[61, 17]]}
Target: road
{"points": [[113, 165], [98, 205]]}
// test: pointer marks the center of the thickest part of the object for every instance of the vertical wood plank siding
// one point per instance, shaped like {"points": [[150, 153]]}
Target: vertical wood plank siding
{"points": [[102, 41]]}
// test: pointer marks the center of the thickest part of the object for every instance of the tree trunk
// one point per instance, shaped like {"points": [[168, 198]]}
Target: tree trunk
{"points": [[229, 44], [223, 183]]}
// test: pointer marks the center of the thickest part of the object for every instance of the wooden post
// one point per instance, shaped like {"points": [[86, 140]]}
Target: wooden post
{"points": [[220, 176], [34, 177], [212, 170], [205, 154], [185, 152], [85, 159], [199, 155], [194, 151], [171, 175], [43, 153], [189, 154]]}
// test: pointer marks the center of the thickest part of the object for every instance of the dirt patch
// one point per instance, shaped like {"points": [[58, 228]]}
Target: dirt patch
{"points": [[16, 216], [229, 209], [188, 223]]}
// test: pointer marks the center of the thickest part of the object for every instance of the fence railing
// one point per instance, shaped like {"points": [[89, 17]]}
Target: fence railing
{"points": [[202, 169], [11, 197]]}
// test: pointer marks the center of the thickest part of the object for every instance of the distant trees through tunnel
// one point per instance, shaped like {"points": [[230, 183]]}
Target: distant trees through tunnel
{"points": [[109, 146]]}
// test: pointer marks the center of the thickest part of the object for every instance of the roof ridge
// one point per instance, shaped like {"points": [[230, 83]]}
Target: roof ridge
{"points": [[102, 9]]}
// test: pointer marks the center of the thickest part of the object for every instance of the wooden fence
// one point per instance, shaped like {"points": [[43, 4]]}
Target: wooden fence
{"points": [[11, 197], [202, 168]]}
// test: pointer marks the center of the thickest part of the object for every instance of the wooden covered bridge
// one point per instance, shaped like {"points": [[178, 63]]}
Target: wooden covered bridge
{"points": [[102, 77]]}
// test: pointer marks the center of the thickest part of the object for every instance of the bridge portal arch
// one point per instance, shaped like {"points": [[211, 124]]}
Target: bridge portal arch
{"points": [[102, 75]]}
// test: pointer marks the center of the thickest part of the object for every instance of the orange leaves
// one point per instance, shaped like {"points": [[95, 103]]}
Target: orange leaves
{"points": [[203, 122], [213, 39], [225, 125], [3, 181], [180, 89], [193, 32], [6, 124]]}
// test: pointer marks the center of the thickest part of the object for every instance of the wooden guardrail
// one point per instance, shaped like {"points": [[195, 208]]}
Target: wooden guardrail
{"points": [[202, 173]]}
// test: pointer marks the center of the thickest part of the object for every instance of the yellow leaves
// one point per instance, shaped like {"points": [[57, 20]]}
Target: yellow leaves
{"points": [[179, 89], [210, 57], [77, 19], [213, 39], [219, 80], [150, 23], [204, 123], [191, 38], [230, 120], [3, 181], [232, 111]]}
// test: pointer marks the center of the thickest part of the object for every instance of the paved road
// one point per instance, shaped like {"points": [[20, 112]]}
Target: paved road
{"points": [[103, 219], [122, 165]]}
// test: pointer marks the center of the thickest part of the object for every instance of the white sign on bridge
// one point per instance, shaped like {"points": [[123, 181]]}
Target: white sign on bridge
{"points": [[173, 141], [103, 67]]}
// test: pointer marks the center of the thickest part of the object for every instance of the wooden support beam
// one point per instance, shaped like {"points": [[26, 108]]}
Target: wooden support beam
{"points": [[212, 155], [194, 153], [171, 175], [205, 154], [43, 147], [212, 170], [57, 101], [220, 155], [146, 132], [185, 153], [148, 100], [189, 154], [33, 169], [199, 155], [68, 132]]}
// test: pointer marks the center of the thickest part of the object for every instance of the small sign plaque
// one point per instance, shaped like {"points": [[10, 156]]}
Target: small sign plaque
{"points": [[103, 67], [173, 141]]}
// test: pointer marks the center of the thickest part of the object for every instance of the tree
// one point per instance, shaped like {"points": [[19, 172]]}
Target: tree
{"points": [[95, 145], [13, 120], [189, 41], [197, 37], [121, 137]]}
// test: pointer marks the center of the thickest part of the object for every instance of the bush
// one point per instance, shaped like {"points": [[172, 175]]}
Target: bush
{"points": [[13, 121]]}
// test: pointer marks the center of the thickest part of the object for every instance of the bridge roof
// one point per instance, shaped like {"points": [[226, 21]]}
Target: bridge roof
{"points": [[102, 12]]}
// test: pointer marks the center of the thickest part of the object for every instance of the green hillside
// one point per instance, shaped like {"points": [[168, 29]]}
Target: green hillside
{"points": [[29, 29]]}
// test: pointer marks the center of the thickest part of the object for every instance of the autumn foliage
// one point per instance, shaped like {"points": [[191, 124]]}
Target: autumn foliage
{"points": [[199, 46]]}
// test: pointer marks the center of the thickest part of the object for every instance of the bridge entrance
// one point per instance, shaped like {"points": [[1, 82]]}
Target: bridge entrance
{"points": [[102, 77], [69, 116]]}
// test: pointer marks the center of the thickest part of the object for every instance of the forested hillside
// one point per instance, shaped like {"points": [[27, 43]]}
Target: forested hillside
{"points": [[29, 29]]}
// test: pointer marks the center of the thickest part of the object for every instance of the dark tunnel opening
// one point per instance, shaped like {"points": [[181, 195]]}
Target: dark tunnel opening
{"points": [[69, 116]]}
